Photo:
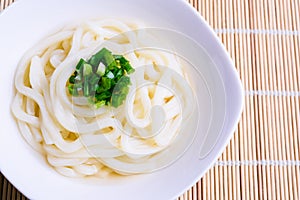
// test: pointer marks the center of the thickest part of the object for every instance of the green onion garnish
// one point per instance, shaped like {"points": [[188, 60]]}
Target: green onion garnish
{"points": [[102, 79]]}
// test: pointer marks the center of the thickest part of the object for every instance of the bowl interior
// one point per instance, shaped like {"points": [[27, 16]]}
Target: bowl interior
{"points": [[210, 69]]}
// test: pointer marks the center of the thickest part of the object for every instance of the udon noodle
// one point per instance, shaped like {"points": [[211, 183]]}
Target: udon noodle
{"points": [[80, 141]]}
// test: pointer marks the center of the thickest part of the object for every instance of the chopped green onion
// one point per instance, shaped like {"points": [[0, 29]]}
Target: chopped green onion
{"points": [[104, 56], [124, 63], [80, 64], [102, 79], [99, 104], [106, 83], [119, 74], [77, 78], [86, 89], [73, 90], [110, 75], [87, 69], [103, 95], [101, 69], [120, 91], [94, 79], [72, 79]]}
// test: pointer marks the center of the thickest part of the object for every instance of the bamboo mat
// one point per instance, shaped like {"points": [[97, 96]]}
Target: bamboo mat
{"points": [[262, 160]]}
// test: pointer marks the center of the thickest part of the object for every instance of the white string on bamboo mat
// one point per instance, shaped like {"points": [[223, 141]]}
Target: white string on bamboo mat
{"points": [[272, 93], [258, 162], [258, 31]]}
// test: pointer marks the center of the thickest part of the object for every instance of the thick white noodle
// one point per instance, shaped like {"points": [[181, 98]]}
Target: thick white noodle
{"points": [[80, 141]]}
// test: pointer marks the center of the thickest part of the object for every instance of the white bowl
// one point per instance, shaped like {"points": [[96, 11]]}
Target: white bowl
{"points": [[219, 94]]}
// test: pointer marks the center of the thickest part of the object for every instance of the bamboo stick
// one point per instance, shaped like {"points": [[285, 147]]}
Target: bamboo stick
{"points": [[199, 190], [290, 87], [270, 86]]}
